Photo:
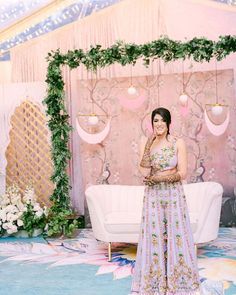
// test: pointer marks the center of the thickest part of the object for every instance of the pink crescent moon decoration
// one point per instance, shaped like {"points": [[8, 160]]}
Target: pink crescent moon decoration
{"points": [[132, 103], [93, 138], [218, 129]]}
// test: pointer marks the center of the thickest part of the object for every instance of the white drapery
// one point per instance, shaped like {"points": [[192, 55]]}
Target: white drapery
{"points": [[137, 21]]}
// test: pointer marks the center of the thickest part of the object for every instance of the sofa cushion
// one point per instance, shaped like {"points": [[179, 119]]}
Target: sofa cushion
{"points": [[122, 222], [129, 222], [193, 221]]}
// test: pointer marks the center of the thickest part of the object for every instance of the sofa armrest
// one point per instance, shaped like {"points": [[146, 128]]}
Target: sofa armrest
{"points": [[208, 222], [96, 217]]}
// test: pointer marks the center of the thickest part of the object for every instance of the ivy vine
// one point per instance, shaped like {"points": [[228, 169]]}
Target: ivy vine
{"points": [[199, 49]]}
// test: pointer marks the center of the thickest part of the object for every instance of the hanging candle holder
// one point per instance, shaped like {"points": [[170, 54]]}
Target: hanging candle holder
{"points": [[93, 118], [131, 90], [216, 110], [183, 98], [158, 82]]}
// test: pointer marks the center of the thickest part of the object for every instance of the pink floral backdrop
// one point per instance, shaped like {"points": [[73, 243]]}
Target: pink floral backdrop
{"points": [[116, 159]]}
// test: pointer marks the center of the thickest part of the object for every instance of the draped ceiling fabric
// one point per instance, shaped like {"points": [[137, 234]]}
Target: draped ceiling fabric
{"points": [[138, 21]]}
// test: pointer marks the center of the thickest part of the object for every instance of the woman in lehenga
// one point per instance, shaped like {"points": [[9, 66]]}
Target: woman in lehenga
{"points": [[166, 262]]}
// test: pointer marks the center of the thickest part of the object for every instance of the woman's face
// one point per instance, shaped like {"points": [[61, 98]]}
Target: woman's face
{"points": [[159, 126]]}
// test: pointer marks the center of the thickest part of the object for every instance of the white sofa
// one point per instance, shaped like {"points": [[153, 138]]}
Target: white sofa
{"points": [[115, 211]]}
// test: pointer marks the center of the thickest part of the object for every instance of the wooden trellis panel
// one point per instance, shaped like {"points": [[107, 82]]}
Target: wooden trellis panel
{"points": [[28, 153]]}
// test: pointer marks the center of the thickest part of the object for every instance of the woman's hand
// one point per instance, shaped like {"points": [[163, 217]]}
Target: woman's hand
{"points": [[148, 180], [165, 172], [160, 177]]}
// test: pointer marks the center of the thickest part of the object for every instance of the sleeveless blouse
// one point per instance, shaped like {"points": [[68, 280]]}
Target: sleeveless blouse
{"points": [[164, 158]]}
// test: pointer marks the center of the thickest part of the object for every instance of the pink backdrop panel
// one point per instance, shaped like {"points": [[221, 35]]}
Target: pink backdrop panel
{"points": [[116, 159]]}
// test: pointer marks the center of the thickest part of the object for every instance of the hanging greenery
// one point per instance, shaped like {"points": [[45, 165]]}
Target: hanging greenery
{"points": [[199, 49]]}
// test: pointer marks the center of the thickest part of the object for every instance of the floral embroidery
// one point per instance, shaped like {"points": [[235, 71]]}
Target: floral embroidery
{"points": [[178, 240], [164, 220], [153, 224], [177, 224], [162, 160], [154, 240], [182, 277], [154, 281]]}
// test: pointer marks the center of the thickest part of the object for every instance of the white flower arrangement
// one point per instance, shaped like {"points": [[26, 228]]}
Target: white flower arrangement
{"points": [[11, 210], [20, 212]]}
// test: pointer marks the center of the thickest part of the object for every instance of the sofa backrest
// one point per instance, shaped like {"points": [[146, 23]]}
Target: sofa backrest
{"points": [[197, 193], [117, 197], [130, 198]]}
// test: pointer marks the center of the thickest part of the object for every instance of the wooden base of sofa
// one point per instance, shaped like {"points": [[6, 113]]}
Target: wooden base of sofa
{"points": [[109, 251]]}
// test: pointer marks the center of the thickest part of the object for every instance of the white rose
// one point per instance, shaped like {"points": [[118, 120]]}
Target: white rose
{"points": [[11, 217], [6, 225], [3, 215], [20, 206], [36, 207], [8, 208], [15, 199], [12, 230], [19, 214], [9, 231], [8, 217], [11, 208], [12, 227], [20, 222], [39, 213]]}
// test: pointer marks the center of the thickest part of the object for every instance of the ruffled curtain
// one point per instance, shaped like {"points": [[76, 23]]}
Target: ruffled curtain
{"points": [[5, 72], [137, 21]]}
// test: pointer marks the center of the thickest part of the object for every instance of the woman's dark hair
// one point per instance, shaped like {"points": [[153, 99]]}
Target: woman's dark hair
{"points": [[165, 114]]}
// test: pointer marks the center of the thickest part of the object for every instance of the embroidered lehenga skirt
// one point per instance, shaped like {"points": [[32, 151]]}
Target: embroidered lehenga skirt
{"points": [[166, 260]]}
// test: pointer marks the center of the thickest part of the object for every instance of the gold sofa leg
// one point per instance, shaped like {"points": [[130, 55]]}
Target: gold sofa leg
{"points": [[195, 247], [109, 251]]}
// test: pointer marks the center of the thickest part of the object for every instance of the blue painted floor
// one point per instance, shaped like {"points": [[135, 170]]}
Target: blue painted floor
{"points": [[79, 266]]}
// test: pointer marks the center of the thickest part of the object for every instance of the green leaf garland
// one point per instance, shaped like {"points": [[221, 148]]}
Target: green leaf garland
{"points": [[199, 49]]}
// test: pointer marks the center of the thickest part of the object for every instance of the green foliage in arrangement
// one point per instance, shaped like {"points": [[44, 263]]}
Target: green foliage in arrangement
{"points": [[33, 221], [199, 49], [64, 222]]}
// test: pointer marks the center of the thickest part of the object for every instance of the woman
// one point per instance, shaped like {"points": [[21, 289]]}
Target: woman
{"points": [[166, 260]]}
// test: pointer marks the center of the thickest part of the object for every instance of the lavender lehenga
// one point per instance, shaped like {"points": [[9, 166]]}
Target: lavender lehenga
{"points": [[166, 261]]}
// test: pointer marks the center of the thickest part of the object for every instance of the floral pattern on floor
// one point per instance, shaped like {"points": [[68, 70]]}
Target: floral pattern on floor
{"points": [[216, 260]]}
